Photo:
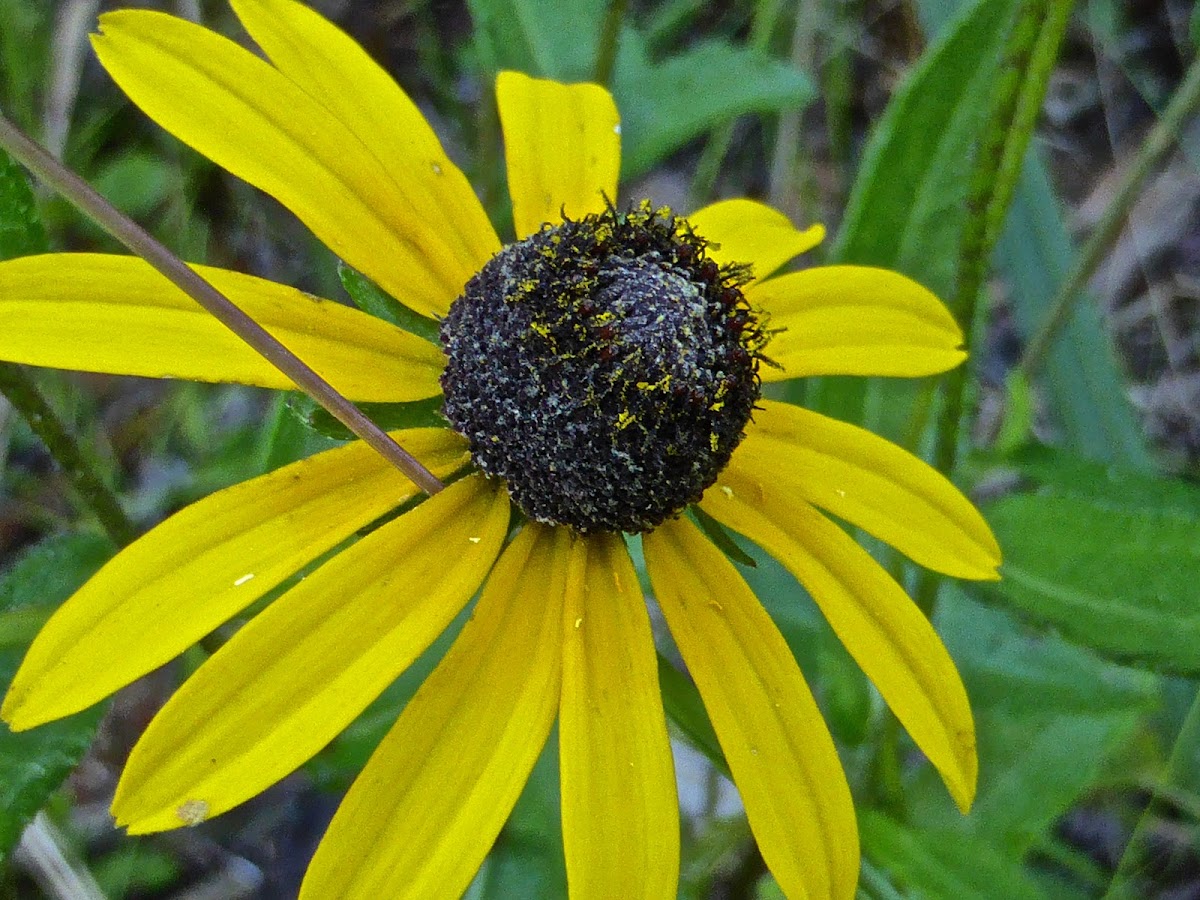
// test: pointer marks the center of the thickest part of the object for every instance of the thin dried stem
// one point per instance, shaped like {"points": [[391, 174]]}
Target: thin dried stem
{"points": [[129, 233]]}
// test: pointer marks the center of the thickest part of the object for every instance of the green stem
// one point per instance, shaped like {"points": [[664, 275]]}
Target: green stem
{"points": [[125, 230], [610, 38], [1153, 150], [23, 393], [1024, 74]]}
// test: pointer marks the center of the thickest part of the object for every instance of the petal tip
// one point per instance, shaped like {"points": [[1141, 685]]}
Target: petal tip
{"points": [[20, 709], [11, 714]]}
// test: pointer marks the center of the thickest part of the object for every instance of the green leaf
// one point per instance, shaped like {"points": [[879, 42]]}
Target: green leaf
{"points": [[1118, 578], [943, 862], [26, 32], [1080, 378], [528, 859], [1064, 473], [1012, 671], [21, 230], [388, 416], [1017, 426], [372, 299], [665, 105], [136, 869], [34, 763], [1051, 719], [1039, 767]]}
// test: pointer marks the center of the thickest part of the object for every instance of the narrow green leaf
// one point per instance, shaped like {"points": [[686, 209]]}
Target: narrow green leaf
{"points": [[136, 182], [1081, 380], [1116, 578], [943, 862], [34, 763], [908, 204], [1017, 428], [372, 299]]}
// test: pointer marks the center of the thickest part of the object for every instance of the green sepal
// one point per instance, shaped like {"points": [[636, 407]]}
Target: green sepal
{"points": [[388, 416], [720, 536], [372, 299]]}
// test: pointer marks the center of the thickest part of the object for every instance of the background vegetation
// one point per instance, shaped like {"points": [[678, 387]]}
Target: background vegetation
{"points": [[1073, 260]]}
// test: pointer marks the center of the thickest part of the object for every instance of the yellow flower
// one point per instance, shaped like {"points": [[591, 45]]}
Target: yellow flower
{"points": [[560, 630]]}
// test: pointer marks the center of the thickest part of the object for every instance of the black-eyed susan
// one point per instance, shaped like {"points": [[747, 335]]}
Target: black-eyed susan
{"points": [[600, 374]]}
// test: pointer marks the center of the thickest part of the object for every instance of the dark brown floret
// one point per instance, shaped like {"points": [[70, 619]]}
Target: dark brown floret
{"points": [[605, 368]]}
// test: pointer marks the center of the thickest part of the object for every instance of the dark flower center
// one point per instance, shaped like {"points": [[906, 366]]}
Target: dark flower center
{"points": [[604, 368]]}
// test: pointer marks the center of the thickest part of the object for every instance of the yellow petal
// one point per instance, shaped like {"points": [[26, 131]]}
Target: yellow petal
{"points": [[562, 143], [778, 748], [428, 806], [116, 314], [871, 483], [891, 640], [249, 118], [304, 668], [335, 71], [205, 564], [750, 233], [619, 807], [855, 320]]}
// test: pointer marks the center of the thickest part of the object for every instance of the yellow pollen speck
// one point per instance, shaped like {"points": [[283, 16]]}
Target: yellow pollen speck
{"points": [[243, 579], [727, 491], [579, 621], [474, 540], [193, 812], [437, 170]]}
